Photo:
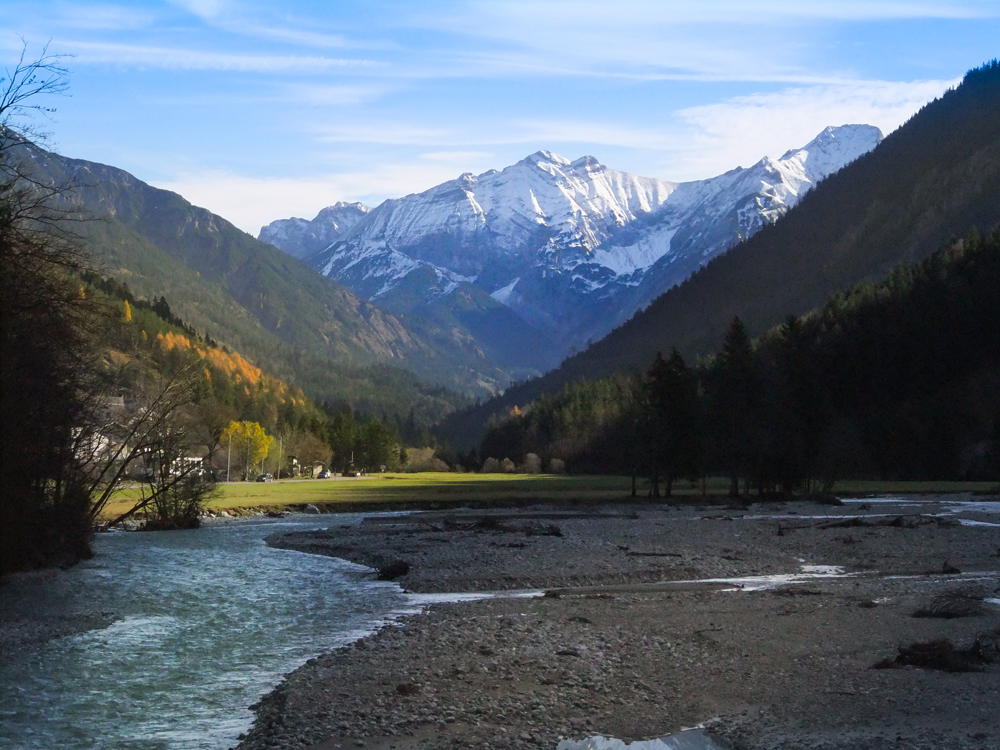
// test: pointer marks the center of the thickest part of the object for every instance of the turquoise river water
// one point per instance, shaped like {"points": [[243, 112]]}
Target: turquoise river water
{"points": [[206, 622]]}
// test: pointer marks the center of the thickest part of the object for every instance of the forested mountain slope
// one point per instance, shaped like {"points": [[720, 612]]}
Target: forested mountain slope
{"points": [[926, 183], [894, 380], [246, 293]]}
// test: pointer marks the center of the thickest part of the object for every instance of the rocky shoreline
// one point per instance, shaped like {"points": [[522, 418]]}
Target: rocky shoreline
{"points": [[633, 641]]}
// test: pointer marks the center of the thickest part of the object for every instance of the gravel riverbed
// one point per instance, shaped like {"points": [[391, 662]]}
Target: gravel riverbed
{"points": [[631, 641]]}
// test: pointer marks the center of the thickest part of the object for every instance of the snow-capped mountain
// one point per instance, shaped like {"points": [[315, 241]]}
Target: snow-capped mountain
{"points": [[301, 237], [574, 248]]}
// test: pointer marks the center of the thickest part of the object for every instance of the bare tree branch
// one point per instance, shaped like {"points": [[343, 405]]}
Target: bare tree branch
{"points": [[20, 88]]}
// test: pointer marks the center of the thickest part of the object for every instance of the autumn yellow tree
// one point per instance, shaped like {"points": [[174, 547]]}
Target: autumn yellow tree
{"points": [[247, 444]]}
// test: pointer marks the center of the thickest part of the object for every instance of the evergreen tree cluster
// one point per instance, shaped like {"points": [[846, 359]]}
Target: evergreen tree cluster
{"points": [[895, 380]]}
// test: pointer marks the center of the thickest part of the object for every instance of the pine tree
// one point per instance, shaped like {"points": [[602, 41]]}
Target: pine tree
{"points": [[736, 391]]}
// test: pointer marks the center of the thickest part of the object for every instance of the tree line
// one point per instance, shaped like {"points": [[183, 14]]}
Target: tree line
{"points": [[892, 380]]}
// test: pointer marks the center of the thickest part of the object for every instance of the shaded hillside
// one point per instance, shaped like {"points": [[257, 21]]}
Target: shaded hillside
{"points": [[241, 291], [926, 183]]}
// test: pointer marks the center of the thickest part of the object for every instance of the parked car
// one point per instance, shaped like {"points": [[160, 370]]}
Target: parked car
{"points": [[265, 478], [325, 474]]}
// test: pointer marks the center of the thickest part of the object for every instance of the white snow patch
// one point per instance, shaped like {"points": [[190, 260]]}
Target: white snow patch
{"points": [[764, 583], [876, 500], [972, 506], [503, 294], [417, 603], [637, 257], [826, 570]]}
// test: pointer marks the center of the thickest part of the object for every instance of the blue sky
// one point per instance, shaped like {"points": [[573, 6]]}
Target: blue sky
{"points": [[260, 110]]}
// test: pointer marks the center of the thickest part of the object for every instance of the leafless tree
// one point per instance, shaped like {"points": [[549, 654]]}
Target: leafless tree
{"points": [[154, 434]]}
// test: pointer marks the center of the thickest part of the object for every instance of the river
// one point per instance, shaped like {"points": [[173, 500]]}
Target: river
{"points": [[206, 622]]}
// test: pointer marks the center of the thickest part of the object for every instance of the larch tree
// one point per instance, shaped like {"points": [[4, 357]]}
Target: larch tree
{"points": [[248, 443]]}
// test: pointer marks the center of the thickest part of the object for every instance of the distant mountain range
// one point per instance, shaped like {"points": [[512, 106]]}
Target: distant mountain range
{"points": [[927, 184], [571, 248]]}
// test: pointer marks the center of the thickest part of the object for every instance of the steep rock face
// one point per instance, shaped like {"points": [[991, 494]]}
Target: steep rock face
{"points": [[573, 248], [302, 237]]}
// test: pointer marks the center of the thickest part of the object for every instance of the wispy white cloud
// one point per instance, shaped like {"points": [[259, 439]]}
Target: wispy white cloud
{"points": [[252, 202], [689, 143], [458, 138], [460, 158], [743, 129], [462, 86], [388, 134], [336, 95], [103, 17], [297, 36], [599, 13], [712, 40], [699, 142], [206, 9], [191, 59], [588, 132]]}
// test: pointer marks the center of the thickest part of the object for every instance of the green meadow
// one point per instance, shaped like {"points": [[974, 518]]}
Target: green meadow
{"points": [[441, 490]]}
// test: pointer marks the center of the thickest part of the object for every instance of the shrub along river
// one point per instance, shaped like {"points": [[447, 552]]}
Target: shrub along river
{"points": [[205, 622]]}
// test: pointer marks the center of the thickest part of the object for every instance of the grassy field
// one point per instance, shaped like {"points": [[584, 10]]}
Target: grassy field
{"points": [[401, 490], [442, 490]]}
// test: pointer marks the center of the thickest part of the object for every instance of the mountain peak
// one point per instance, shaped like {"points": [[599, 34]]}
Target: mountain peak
{"points": [[836, 145], [346, 204], [301, 238], [587, 164], [549, 157]]}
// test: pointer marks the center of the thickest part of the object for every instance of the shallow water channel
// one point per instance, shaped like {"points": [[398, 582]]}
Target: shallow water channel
{"points": [[206, 622]]}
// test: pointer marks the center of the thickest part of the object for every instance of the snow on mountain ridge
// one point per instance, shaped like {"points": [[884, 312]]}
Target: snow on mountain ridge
{"points": [[302, 237], [573, 247], [542, 206]]}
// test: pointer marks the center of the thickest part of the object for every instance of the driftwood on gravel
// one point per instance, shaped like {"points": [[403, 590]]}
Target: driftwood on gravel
{"points": [[898, 522], [394, 570], [941, 654], [954, 604], [855, 522], [493, 524]]}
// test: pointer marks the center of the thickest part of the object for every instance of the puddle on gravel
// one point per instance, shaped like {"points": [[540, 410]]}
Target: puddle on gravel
{"points": [[417, 603], [763, 583], [694, 739]]}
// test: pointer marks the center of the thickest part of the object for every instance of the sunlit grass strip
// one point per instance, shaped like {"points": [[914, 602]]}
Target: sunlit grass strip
{"points": [[419, 490]]}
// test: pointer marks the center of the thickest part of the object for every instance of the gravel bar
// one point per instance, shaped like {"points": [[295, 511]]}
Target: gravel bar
{"points": [[627, 643]]}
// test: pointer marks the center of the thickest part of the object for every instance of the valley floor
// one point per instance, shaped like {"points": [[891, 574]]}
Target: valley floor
{"points": [[631, 640]]}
